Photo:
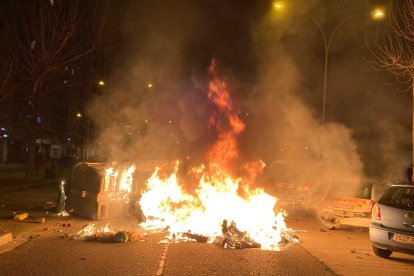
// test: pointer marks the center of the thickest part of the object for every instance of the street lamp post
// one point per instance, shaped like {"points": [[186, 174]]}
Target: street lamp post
{"points": [[376, 14], [327, 42]]}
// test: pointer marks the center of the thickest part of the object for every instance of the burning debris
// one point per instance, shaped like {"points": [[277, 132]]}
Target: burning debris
{"points": [[99, 192], [185, 237], [89, 232], [224, 193], [60, 208], [236, 239], [233, 238]]}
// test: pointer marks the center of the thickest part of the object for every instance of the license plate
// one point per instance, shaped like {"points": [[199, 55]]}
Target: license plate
{"points": [[403, 238]]}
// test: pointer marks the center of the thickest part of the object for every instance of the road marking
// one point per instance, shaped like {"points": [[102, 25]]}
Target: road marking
{"points": [[161, 265]]}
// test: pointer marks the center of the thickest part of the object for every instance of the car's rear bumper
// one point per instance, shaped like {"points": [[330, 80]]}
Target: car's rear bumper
{"points": [[334, 218], [382, 237], [356, 221]]}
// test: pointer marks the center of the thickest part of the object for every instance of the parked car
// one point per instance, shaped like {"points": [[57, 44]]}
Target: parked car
{"points": [[352, 207], [288, 179], [392, 224]]}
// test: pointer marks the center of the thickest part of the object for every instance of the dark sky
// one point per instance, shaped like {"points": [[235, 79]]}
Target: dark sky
{"points": [[226, 29], [171, 43], [188, 34]]}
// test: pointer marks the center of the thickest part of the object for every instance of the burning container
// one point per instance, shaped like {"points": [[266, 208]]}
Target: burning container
{"points": [[95, 193]]}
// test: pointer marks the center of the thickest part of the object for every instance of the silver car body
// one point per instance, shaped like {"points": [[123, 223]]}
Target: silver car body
{"points": [[392, 228]]}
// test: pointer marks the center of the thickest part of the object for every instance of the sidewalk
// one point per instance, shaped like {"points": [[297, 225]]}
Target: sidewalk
{"points": [[38, 199], [11, 166], [348, 251], [14, 190]]}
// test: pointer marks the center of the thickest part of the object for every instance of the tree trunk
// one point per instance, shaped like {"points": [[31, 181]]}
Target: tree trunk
{"points": [[412, 133], [31, 135], [31, 146]]}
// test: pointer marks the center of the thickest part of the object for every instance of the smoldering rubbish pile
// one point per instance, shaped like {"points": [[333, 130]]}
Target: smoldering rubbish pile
{"points": [[233, 238], [90, 232]]}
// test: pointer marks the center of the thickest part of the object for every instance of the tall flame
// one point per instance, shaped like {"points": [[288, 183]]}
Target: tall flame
{"points": [[121, 186], [220, 194], [225, 150]]}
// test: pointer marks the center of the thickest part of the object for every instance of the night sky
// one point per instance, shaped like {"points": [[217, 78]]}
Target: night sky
{"points": [[172, 43], [273, 64]]}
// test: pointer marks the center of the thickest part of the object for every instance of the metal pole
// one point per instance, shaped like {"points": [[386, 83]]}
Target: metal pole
{"points": [[87, 139], [325, 75], [327, 45]]}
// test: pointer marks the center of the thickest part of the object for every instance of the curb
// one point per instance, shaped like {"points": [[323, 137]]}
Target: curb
{"points": [[5, 238]]}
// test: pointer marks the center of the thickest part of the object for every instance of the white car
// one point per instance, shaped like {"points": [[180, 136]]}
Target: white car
{"points": [[392, 223]]}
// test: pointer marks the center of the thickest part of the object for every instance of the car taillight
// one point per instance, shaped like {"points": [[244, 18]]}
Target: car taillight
{"points": [[376, 213]]}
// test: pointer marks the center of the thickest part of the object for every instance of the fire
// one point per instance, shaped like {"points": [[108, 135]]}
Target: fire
{"points": [[92, 230], [125, 183], [121, 186], [218, 197], [221, 194]]}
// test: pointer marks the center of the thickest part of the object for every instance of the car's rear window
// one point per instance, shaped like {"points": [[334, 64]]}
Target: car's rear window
{"points": [[399, 197]]}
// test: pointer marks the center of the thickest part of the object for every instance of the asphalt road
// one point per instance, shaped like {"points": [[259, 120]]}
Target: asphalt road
{"points": [[210, 259], [52, 255], [344, 251]]}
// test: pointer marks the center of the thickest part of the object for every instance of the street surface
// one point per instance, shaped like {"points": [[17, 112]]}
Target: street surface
{"points": [[46, 249], [348, 251], [53, 255]]}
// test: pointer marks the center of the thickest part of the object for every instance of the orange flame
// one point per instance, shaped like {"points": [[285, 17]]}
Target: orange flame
{"points": [[119, 186], [219, 194], [225, 150]]}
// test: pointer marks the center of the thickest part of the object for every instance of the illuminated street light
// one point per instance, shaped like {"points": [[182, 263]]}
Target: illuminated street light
{"points": [[149, 85], [101, 83], [278, 5], [328, 43], [79, 115], [378, 14]]}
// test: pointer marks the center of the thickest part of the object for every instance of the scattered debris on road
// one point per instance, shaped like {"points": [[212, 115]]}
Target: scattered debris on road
{"points": [[21, 216], [236, 239], [89, 232], [184, 237], [354, 251], [232, 238], [32, 219]]}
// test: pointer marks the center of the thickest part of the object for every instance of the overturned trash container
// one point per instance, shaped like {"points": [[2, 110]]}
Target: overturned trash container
{"points": [[92, 193]]}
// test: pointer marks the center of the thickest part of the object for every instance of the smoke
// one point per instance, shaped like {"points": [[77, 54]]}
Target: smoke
{"points": [[148, 110], [155, 104], [287, 131], [293, 136], [366, 134]]}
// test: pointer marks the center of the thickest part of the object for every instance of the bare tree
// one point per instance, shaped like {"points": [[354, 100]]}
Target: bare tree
{"points": [[45, 37], [6, 62], [395, 48], [6, 69]]}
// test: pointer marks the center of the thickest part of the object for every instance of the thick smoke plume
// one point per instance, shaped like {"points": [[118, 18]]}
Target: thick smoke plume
{"points": [[156, 107], [289, 133]]}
